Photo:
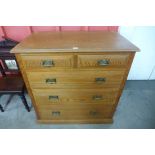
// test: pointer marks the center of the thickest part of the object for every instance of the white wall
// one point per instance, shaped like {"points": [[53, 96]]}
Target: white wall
{"points": [[143, 67], [152, 76]]}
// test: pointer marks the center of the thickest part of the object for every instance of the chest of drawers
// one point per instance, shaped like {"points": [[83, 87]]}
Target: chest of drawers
{"points": [[75, 77]]}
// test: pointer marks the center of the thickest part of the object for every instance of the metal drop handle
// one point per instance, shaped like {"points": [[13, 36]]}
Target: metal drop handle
{"points": [[98, 97], [100, 80], [47, 63], [103, 62], [51, 81], [53, 98], [93, 113], [56, 113]]}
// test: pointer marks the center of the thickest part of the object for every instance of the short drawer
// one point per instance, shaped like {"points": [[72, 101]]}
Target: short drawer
{"points": [[47, 61], [103, 60], [75, 79], [75, 96], [71, 113]]}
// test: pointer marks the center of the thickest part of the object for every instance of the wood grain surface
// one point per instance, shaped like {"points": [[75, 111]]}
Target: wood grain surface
{"points": [[74, 41]]}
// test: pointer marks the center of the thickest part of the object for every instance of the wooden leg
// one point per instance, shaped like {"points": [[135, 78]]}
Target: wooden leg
{"points": [[1, 108], [8, 101], [24, 102]]}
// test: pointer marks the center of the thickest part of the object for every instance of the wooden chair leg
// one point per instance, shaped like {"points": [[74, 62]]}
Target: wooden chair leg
{"points": [[1, 108], [8, 101], [24, 102]]}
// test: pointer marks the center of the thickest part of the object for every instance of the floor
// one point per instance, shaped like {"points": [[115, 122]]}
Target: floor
{"points": [[136, 110]]}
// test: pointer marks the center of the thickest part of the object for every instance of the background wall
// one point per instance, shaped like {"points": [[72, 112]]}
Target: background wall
{"points": [[20, 32], [143, 67]]}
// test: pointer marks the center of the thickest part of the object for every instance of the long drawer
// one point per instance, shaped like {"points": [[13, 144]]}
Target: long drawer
{"points": [[70, 113], [75, 79], [75, 96], [103, 61]]}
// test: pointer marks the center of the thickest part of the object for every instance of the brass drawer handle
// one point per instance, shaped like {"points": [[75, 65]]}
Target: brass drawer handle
{"points": [[93, 113], [55, 113], [47, 63], [100, 80], [103, 62], [53, 97], [51, 81], [97, 97]]}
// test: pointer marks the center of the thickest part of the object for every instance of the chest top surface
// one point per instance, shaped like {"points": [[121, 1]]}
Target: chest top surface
{"points": [[74, 42]]}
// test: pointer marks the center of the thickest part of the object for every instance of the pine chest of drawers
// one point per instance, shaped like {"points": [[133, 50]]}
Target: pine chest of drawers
{"points": [[75, 77]]}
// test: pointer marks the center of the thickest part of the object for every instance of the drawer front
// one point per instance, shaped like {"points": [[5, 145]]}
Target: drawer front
{"points": [[47, 61], [93, 112], [75, 96], [75, 79], [103, 61]]}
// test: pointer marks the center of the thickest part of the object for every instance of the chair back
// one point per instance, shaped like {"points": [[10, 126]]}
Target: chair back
{"points": [[8, 66], [3, 74], [8, 63]]}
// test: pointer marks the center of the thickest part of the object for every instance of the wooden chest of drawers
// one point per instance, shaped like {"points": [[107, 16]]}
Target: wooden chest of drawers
{"points": [[75, 77]]}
